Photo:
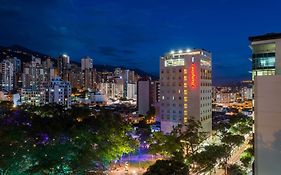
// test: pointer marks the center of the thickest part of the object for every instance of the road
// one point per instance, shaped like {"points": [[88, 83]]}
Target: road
{"points": [[236, 156], [134, 164]]}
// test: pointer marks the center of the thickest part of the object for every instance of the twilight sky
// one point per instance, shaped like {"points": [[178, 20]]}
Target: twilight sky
{"points": [[136, 33]]}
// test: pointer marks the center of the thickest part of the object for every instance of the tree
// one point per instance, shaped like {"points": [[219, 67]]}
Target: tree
{"points": [[143, 130], [229, 141], [235, 170], [167, 167], [232, 140], [181, 144], [46, 141], [247, 156], [209, 157], [166, 145]]}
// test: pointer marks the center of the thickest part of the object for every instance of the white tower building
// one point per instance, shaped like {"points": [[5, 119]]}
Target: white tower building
{"points": [[185, 89]]}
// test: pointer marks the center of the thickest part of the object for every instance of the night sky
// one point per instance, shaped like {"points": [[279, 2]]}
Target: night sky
{"points": [[136, 33]]}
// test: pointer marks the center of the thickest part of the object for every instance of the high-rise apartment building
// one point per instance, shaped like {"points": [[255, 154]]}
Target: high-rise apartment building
{"points": [[88, 73], [63, 64], [17, 72], [33, 74], [86, 63], [7, 72], [266, 70], [185, 89]]}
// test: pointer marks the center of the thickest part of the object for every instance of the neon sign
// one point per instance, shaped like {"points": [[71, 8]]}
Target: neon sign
{"points": [[193, 76]]}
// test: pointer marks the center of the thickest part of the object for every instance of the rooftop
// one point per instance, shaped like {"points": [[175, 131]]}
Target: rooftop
{"points": [[188, 52], [267, 36]]}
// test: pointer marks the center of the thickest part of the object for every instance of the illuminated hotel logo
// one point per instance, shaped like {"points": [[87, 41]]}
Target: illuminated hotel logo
{"points": [[193, 76]]}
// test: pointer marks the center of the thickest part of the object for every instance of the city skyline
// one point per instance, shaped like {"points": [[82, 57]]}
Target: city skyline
{"points": [[134, 33]]}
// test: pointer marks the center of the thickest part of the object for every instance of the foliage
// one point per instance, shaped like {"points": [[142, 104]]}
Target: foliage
{"points": [[166, 145], [167, 167], [184, 144], [51, 140], [235, 170], [232, 140], [209, 157], [143, 130], [181, 144], [247, 156]]}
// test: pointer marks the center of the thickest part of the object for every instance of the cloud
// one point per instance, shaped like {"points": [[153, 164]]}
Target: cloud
{"points": [[114, 52]]}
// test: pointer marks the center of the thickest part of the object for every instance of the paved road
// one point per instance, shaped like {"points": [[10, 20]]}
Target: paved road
{"points": [[236, 156]]}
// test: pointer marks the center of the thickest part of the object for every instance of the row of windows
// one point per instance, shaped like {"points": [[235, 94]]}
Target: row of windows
{"points": [[206, 91], [172, 111], [173, 78], [172, 91], [168, 71], [205, 117], [205, 104], [168, 104], [172, 84], [174, 118], [205, 111], [206, 98], [206, 84], [206, 74]]}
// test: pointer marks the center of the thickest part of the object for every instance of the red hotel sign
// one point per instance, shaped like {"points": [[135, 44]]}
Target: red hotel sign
{"points": [[193, 75]]}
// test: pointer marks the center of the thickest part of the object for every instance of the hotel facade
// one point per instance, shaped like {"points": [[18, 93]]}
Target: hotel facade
{"points": [[185, 89]]}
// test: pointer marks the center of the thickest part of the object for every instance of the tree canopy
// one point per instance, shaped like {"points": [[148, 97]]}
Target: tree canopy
{"points": [[51, 140]]}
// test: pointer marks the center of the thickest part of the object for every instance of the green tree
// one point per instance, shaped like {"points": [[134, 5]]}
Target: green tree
{"points": [[235, 170], [232, 140], [46, 141], [181, 144], [167, 167], [247, 156], [207, 159]]}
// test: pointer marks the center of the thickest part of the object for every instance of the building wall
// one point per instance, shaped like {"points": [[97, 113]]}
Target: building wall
{"points": [[267, 125], [143, 96], [7, 75]]}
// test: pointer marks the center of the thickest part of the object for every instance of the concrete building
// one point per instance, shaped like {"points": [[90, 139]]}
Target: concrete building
{"points": [[112, 90], [33, 74], [144, 95], [266, 54], [266, 71], [58, 91], [7, 75], [88, 78], [17, 70], [63, 64], [32, 97], [131, 91], [98, 98], [86, 63], [185, 88], [49, 70], [267, 125], [155, 92], [128, 78]]}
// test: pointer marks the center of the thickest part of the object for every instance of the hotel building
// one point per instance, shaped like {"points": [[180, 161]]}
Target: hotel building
{"points": [[185, 89]]}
